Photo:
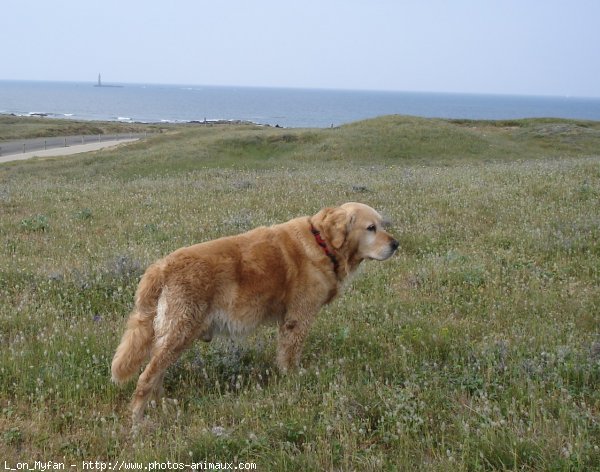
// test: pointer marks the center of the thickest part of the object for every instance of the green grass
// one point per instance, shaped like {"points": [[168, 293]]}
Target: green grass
{"points": [[476, 348]]}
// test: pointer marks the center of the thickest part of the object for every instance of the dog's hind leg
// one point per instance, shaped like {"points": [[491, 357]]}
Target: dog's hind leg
{"points": [[180, 336], [159, 392]]}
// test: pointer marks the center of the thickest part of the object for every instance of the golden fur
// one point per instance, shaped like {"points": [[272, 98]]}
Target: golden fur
{"points": [[233, 284]]}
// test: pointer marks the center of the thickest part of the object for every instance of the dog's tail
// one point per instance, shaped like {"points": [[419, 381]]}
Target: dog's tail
{"points": [[139, 334]]}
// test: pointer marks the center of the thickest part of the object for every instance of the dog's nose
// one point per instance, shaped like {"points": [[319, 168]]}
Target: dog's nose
{"points": [[394, 244]]}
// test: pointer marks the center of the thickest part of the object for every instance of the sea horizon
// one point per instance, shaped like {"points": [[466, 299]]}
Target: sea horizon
{"points": [[322, 89], [283, 106]]}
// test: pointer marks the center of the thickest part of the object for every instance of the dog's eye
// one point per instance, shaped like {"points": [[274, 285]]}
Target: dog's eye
{"points": [[372, 228]]}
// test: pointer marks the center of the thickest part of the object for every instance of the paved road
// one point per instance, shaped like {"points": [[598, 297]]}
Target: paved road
{"points": [[65, 151], [22, 146]]}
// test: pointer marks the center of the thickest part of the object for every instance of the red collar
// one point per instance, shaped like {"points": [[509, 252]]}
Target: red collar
{"points": [[321, 242]]}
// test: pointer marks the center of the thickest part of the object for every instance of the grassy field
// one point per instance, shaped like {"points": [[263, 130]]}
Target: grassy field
{"points": [[476, 348]]}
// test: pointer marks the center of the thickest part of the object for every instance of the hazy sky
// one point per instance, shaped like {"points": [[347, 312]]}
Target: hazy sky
{"points": [[540, 47]]}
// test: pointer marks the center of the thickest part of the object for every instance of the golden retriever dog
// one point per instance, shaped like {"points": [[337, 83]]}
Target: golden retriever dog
{"points": [[284, 274]]}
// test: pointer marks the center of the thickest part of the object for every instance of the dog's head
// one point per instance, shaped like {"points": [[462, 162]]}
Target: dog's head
{"points": [[357, 231]]}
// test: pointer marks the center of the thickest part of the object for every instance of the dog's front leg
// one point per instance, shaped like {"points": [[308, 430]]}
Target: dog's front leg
{"points": [[292, 334]]}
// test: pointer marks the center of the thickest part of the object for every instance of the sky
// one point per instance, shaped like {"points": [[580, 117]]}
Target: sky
{"points": [[523, 47]]}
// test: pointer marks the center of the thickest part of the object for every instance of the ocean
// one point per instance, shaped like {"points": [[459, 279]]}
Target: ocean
{"points": [[272, 106]]}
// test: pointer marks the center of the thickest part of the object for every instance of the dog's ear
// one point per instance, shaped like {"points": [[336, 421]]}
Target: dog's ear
{"points": [[334, 224]]}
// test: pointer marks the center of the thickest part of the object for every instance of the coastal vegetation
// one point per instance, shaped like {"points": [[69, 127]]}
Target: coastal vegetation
{"points": [[477, 347], [18, 127]]}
